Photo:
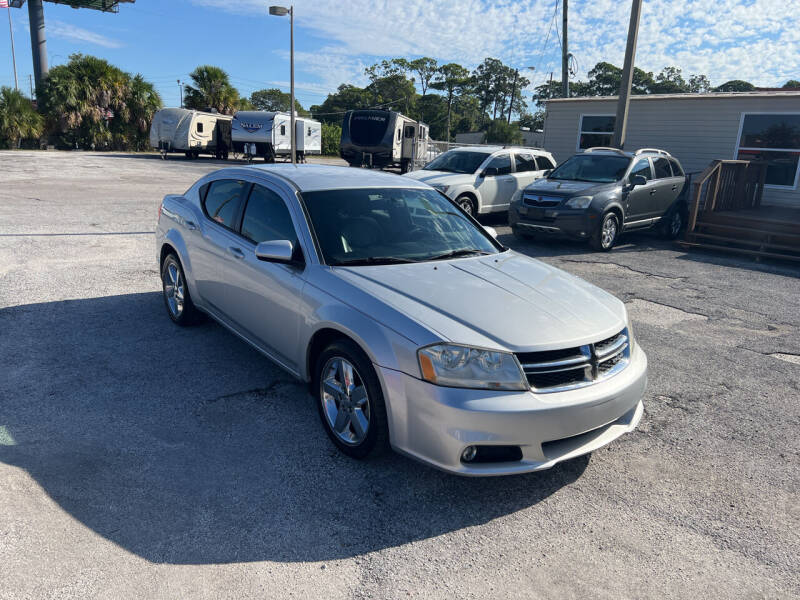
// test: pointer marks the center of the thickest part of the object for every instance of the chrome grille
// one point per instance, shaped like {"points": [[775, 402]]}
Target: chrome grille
{"points": [[541, 201], [570, 368]]}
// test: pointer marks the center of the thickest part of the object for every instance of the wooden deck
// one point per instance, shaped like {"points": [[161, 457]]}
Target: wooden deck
{"points": [[766, 231], [725, 213]]}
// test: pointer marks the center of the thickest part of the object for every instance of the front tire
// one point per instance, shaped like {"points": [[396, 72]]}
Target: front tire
{"points": [[350, 400], [467, 204], [177, 300], [606, 235]]}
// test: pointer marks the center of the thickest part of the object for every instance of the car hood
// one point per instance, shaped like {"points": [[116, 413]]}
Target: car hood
{"points": [[505, 301], [443, 177], [562, 188]]}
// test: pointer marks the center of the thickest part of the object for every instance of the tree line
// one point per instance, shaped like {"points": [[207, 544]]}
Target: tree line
{"points": [[91, 104]]}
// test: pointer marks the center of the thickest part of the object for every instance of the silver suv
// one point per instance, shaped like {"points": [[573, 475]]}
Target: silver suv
{"points": [[599, 193]]}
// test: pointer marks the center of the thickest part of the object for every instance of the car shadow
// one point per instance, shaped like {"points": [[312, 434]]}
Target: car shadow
{"points": [[185, 446]]}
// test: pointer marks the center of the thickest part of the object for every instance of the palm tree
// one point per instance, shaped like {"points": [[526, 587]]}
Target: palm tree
{"points": [[18, 118], [142, 102], [212, 89]]}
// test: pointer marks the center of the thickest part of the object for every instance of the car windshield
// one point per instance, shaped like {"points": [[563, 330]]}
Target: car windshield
{"points": [[392, 225], [596, 168], [457, 161]]}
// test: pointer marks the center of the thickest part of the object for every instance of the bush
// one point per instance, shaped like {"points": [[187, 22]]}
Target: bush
{"points": [[500, 132], [18, 119], [331, 138]]}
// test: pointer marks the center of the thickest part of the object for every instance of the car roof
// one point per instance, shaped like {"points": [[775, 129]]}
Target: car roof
{"points": [[308, 178], [493, 149], [644, 152]]}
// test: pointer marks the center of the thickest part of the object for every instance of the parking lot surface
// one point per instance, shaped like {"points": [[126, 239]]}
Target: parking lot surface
{"points": [[138, 459]]}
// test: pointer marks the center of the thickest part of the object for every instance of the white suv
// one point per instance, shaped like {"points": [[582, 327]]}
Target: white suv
{"points": [[484, 179]]}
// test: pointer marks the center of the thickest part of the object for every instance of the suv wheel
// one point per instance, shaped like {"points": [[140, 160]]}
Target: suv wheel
{"points": [[606, 235], [672, 224], [467, 204]]}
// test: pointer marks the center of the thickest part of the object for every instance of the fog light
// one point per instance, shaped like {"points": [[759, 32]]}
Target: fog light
{"points": [[469, 453]]}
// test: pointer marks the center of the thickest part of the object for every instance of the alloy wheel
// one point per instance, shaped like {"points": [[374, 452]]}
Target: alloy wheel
{"points": [[675, 224], [174, 289], [345, 401], [609, 232], [466, 205]]}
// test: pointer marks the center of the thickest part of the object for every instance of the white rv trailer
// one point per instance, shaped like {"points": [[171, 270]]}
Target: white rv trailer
{"points": [[190, 131], [268, 135], [383, 138]]}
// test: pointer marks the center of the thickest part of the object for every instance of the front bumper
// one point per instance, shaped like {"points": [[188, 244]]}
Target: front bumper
{"points": [[558, 222], [435, 424]]}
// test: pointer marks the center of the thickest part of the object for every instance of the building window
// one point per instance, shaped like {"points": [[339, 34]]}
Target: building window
{"points": [[283, 129], [199, 128], [775, 139], [595, 130]]}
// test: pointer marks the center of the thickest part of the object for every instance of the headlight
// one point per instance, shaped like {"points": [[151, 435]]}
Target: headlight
{"points": [[579, 202], [441, 187], [467, 367]]}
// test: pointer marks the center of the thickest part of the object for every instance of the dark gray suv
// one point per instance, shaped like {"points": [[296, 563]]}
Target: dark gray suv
{"points": [[601, 192]]}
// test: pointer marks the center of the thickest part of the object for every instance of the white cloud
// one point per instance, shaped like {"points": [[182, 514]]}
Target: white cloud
{"points": [[59, 29], [756, 40]]}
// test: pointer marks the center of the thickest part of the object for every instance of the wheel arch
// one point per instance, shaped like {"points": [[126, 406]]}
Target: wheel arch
{"points": [[470, 193]]}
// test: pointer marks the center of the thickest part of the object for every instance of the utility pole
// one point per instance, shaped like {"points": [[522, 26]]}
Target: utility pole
{"points": [[30, 82], [564, 53], [13, 54], [513, 91], [38, 40], [180, 87], [621, 122]]}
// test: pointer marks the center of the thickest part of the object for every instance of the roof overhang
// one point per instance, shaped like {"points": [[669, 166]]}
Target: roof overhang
{"points": [[649, 97]]}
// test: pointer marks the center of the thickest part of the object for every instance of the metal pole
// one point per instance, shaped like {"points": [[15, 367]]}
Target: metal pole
{"points": [[621, 122], [513, 91], [13, 54], [30, 81], [180, 87], [564, 53], [291, 84], [38, 41]]}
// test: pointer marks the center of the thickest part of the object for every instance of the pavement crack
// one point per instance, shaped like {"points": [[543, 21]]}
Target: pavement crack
{"points": [[614, 265], [260, 390]]}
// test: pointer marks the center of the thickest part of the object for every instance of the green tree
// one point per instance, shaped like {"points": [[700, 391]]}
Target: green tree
{"points": [[211, 88], [699, 84], [426, 69], [93, 104], [605, 79], [670, 81], [18, 119], [735, 85], [346, 97], [792, 84], [451, 79], [500, 132], [389, 87], [331, 138], [275, 100]]}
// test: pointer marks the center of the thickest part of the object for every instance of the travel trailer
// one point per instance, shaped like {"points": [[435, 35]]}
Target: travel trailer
{"points": [[192, 132], [383, 138], [267, 135]]}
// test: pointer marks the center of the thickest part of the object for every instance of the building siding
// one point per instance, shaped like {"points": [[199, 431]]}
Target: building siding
{"points": [[696, 130]]}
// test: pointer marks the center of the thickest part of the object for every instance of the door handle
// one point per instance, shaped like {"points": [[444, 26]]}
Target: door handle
{"points": [[674, 187], [652, 192], [190, 225], [237, 252]]}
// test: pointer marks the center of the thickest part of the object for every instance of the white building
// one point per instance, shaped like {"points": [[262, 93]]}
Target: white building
{"points": [[695, 128]]}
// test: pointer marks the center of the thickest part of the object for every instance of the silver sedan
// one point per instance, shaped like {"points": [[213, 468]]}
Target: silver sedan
{"points": [[413, 326]]}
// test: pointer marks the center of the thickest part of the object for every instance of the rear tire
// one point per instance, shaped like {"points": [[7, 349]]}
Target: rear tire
{"points": [[672, 224], [354, 415], [467, 204], [606, 235], [177, 299]]}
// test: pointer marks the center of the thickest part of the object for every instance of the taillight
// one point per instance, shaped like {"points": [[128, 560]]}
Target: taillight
{"points": [[160, 205]]}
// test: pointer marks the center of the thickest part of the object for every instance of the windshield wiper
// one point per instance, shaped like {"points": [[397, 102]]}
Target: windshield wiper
{"points": [[458, 253], [374, 260]]}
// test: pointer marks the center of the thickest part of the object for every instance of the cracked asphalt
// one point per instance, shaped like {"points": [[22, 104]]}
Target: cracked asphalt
{"points": [[139, 460]]}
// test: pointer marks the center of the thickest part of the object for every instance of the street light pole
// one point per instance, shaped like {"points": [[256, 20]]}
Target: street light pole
{"points": [[180, 87], [281, 11], [13, 54]]}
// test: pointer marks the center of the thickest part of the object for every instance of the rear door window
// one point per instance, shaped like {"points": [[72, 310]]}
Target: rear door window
{"points": [[267, 218], [544, 163], [502, 163], [677, 171], [224, 199], [661, 166], [524, 162]]}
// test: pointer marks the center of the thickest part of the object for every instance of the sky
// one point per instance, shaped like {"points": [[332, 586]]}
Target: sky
{"points": [[755, 40]]}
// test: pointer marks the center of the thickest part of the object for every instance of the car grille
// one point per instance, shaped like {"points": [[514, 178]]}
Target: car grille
{"points": [[541, 201], [570, 368]]}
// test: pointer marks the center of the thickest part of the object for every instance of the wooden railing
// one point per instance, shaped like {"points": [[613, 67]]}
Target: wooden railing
{"points": [[726, 185]]}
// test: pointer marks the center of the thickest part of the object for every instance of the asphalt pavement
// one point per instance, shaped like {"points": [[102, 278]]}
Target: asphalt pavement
{"points": [[141, 460]]}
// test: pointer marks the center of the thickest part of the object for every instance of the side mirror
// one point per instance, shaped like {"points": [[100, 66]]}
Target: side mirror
{"points": [[547, 173], [280, 251], [491, 231], [489, 172], [638, 180]]}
